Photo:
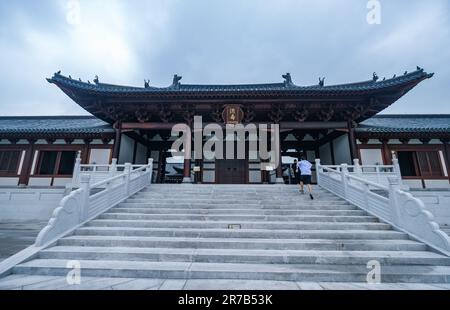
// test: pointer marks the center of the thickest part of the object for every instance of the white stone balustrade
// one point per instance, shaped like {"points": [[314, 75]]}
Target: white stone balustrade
{"points": [[92, 198], [389, 203]]}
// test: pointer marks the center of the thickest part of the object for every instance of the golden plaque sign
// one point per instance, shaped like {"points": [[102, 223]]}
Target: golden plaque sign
{"points": [[233, 114]]}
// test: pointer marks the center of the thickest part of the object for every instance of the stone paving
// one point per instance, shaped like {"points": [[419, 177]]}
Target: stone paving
{"points": [[16, 236], [27, 282]]}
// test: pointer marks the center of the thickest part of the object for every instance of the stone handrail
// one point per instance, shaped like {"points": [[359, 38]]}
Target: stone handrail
{"points": [[389, 203], [98, 172], [90, 200]]}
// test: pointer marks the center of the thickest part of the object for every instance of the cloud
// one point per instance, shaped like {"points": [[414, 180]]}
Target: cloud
{"points": [[221, 41]]}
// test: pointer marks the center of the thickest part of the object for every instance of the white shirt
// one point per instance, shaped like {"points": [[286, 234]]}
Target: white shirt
{"points": [[305, 167]]}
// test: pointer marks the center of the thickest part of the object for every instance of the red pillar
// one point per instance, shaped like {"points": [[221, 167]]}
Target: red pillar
{"points": [[447, 156], [187, 158], [279, 172], [117, 140], [352, 140], [24, 177]]}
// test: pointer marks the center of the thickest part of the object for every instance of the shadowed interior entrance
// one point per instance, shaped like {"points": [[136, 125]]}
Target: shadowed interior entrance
{"points": [[231, 171]]}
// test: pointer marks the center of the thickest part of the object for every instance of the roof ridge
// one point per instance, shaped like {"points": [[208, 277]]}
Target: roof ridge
{"points": [[46, 116], [375, 82], [430, 115]]}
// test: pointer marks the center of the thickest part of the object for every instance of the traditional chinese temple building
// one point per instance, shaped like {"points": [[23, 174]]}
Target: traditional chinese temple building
{"points": [[336, 123]]}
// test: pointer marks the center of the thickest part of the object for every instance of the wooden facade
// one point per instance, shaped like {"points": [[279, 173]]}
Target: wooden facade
{"points": [[311, 119]]}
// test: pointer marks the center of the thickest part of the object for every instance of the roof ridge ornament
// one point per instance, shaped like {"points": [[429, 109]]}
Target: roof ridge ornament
{"points": [[176, 80], [287, 79], [96, 80], [322, 82], [375, 77], [146, 83]]}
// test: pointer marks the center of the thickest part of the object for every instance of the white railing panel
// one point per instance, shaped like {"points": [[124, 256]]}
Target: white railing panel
{"points": [[92, 199], [388, 202]]}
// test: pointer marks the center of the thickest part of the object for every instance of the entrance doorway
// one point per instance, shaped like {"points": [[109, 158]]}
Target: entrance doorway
{"points": [[231, 171]]}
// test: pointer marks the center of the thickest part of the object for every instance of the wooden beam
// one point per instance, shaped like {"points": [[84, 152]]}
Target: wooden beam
{"points": [[313, 125], [283, 125]]}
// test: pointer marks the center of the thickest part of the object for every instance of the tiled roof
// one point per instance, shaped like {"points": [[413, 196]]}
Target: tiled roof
{"points": [[432, 123], [371, 85], [53, 125]]}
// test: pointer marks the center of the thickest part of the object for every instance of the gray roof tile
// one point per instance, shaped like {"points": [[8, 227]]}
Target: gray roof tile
{"points": [[53, 125], [406, 123]]}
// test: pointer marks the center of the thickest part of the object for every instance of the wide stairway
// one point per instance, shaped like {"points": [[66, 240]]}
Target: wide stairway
{"points": [[264, 232]]}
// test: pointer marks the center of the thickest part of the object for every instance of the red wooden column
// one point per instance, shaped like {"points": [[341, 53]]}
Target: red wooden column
{"points": [[446, 143], [117, 140], [24, 177], [187, 158], [352, 140], [387, 157], [279, 172]]}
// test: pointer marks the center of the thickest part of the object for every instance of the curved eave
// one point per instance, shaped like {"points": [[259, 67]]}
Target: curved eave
{"points": [[400, 84], [399, 133]]}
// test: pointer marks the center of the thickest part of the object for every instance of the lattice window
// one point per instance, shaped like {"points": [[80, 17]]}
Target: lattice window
{"points": [[9, 162]]}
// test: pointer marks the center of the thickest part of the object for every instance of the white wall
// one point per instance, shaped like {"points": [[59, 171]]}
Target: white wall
{"points": [[126, 150], [9, 181], [208, 176], [26, 204], [35, 181], [342, 150], [434, 184], [371, 157], [325, 154], [99, 156], [413, 184], [141, 154], [254, 176]]}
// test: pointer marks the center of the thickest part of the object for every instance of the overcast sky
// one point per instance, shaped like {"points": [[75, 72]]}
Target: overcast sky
{"points": [[215, 41]]}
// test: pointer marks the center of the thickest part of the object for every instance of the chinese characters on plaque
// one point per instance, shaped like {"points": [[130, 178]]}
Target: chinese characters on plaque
{"points": [[233, 114]]}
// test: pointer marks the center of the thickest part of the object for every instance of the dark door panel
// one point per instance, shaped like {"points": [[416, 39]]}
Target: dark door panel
{"points": [[231, 171]]}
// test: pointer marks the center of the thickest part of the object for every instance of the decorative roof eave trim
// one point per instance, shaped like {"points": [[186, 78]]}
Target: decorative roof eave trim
{"points": [[408, 80], [402, 135], [61, 135]]}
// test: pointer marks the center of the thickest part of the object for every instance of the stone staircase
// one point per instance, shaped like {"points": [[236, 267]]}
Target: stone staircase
{"points": [[254, 232]]}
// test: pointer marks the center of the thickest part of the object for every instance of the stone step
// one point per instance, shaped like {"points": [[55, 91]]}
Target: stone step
{"points": [[244, 256], [256, 206], [243, 233], [296, 202], [186, 211], [243, 224], [240, 217], [243, 243], [189, 270], [259, 196]]}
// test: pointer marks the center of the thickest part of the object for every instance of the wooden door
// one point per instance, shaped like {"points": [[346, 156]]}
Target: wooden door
{"points": [[231, 171]]}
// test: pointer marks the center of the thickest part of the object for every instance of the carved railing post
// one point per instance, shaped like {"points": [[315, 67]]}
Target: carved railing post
{"points": [[344, 172], [397, 171], [76, 170], [394, 187], [318, 170], [85, 184], [150, 169], [127, 177], [358, 169], [113, 168]]}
